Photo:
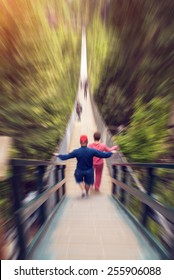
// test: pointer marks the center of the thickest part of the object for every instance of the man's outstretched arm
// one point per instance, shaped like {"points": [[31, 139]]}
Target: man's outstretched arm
{"points": [[65, 156], [103, 154]]}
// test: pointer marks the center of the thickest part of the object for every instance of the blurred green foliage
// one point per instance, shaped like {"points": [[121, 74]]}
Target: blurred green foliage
{"points": [[40, 58], [129, 51], [145, 138], [131, 74]]}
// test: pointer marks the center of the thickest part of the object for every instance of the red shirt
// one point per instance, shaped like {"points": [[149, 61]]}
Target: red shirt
{"points": [[101, 147]]}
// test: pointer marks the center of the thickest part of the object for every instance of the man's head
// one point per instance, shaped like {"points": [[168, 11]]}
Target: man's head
{"points": [[83, 140], [97, 136]]}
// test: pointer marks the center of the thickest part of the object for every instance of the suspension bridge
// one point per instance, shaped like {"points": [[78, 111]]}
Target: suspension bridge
{"points": [[58, 224]]}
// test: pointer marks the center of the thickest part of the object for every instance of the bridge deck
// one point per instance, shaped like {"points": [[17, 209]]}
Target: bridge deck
{"points": [[92, 228]]}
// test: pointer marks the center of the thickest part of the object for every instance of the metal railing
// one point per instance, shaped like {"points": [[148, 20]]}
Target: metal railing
{"points": [[143, 208], [31, 218]]}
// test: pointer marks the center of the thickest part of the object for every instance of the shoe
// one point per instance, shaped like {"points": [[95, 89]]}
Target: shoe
{"points": [[83, 195], [86, 196]]}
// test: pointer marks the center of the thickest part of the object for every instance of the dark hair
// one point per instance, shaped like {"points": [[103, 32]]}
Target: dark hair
{"points": [[97, 136]]}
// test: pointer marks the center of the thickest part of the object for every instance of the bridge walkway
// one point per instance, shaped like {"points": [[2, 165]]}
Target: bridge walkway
{"points": [[94, 227]]}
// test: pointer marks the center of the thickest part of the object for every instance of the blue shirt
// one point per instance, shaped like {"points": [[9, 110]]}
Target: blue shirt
{"points": [[85, 156]]}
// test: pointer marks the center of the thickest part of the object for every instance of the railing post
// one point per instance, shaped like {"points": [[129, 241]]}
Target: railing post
{"points": [[114, 186], [40, 187], [63, 176], [57, 179], [122, 195], [3, 253], [149, 190], [17, 195], [172, 248]]}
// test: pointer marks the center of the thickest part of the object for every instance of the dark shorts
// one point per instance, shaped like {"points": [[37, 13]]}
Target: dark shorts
{"points": [[86, 176]]}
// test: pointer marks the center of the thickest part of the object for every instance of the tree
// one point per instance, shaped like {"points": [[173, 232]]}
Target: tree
{"points": [[145, 138], [35, 100]]}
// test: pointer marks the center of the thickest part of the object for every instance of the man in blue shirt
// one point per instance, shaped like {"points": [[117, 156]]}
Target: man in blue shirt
{"points": [[84, 172]]}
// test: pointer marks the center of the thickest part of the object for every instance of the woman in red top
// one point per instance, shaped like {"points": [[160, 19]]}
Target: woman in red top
{"points": [[98, 162]]}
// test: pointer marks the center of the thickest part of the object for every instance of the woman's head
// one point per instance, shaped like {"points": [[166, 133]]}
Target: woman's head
{"points": [[97, 136]]}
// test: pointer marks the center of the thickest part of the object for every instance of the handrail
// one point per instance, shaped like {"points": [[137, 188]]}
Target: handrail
{"points": [[43, 204], [154, 165], [31, 162], [166, 211], [29, 208], [150, 207]]}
